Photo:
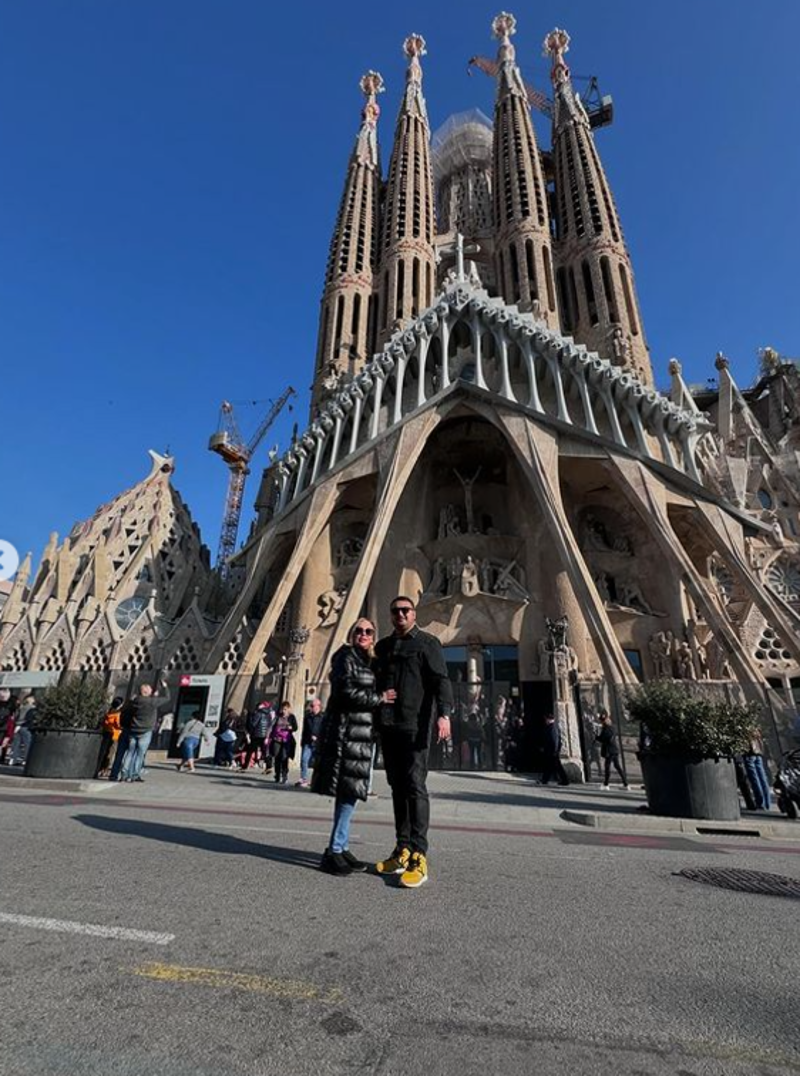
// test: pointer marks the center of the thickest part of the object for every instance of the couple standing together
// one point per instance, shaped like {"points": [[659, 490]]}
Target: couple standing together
{"points": [[399, 688]]}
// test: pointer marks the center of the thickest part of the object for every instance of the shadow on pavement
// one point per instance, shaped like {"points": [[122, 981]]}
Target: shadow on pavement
{"points": [[205, 840], [564, 801]]}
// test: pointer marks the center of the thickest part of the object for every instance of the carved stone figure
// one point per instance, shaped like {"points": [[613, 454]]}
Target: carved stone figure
{"points": [[660, 647], [601, 582], [595, 534], [629, 594], [469, 578], [469, 508], [348, 552], [684, 662], [438, 583], [486, 575], [557, 633], [449, 525], [330, 604], [454, 566], [718, 665]]}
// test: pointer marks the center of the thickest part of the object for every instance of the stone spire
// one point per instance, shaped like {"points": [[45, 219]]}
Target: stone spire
{"points": [[407, 255], [597, 296], [522, 255], [12, 611], [347, 319]]}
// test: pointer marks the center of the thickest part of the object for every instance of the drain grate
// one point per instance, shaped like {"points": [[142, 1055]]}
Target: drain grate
{"points": [[769, 885]]}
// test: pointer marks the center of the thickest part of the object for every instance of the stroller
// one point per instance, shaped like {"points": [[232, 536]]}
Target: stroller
{"points": [[787, 783]]}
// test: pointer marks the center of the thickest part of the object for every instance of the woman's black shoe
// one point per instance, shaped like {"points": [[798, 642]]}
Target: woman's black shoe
{"points": [[354, 864], [334, 863]]}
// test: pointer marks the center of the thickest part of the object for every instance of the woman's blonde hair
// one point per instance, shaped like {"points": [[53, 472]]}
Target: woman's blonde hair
{"points": [[351, 635]]}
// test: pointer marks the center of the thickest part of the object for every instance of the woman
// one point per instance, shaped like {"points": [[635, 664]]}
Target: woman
{"points": [[344, 757], [282, 743], [112, 728], [189, 740]]}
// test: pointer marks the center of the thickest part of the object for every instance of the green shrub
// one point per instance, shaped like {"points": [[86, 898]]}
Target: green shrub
{"points": [[678, 720], [75, 703]]}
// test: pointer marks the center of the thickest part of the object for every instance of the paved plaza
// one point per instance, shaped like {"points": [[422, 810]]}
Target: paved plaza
{"points": [[181, 927]]}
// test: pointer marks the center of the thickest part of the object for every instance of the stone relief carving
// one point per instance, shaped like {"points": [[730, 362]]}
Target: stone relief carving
{"points": [[597, 537], [348, 552], [719, 667], [470, 577], [555, 656], [449, 523], [661, 647], [331, 602]]}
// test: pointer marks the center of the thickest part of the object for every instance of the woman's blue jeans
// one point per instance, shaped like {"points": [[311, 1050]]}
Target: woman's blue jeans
{"points": [[757, 775], [342, 816]]}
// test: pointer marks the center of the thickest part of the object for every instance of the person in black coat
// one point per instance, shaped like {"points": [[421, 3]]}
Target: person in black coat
{"points": [[551, 751], [344, 754], [609, 749]]}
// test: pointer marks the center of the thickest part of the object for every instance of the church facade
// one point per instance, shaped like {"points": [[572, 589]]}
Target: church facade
{"points": [[486, 438]]}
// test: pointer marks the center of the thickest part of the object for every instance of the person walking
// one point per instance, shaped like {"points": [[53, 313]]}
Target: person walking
{"points": [[259, 724], [8, 722], [138, 719], [312, 723], [189, 740], [226, 736], [756, 771], [411, 663], [23, 732], [282, 742], [344, 756], [551, 750], [112, 728], [609, 750]]}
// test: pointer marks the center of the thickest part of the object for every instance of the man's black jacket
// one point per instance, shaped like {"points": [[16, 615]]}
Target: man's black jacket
{"points": [[414, 666]]}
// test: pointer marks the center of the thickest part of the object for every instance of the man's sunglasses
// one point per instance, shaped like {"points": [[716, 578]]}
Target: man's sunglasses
{"points": [[402, 610]]}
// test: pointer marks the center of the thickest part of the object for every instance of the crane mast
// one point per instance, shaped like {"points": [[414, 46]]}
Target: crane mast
{"points": [[230, 446]]}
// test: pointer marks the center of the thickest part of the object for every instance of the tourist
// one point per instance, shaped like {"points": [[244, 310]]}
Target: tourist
{"points": [[312, 723], [189, 741], [282, 743], [23, 732], [112, 728], [8, 722], [551, 750], [138, 719], [609, 750], [410, 662], [259, 723], [592, 756], [756, 772], [473, 733], [344, 760], [226, 736]]}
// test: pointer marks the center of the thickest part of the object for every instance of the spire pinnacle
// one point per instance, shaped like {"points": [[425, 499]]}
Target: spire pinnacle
{"points": [[413, 101], [556, 44], [371, 84], [504, 26]]}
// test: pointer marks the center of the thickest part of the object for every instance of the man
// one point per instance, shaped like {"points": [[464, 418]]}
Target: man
{"points": [[411, 662], [609, 750], [138, 720], [312, 726], [551, 749], [259, 724]]}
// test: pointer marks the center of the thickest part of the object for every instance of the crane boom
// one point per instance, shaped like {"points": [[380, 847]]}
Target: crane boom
{"points": [[229, 445], [599, 109]]}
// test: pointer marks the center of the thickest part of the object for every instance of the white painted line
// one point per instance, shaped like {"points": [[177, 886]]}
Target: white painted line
{"points": [[64, 926]]}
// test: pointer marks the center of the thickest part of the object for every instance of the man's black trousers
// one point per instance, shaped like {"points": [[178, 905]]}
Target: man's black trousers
{"points": [[405, 760]]}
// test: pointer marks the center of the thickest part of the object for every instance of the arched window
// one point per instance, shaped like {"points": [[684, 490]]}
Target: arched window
{"points": [[588, 290]]}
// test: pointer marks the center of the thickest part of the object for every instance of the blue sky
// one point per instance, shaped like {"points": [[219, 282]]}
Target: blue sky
{"points": [[170, 172]]}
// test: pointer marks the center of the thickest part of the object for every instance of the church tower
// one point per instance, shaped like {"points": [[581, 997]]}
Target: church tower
{"points": [[597, 297], [523, 258], [407, 255], [347, 316]]}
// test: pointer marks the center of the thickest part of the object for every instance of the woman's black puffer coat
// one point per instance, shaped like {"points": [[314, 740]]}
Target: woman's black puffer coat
{"points": [[345, 753]]}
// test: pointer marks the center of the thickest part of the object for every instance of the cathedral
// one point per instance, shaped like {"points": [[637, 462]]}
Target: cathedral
{"points": [[485, 436]]}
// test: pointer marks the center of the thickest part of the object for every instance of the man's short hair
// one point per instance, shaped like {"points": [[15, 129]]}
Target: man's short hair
{"points": [[403, 598]]}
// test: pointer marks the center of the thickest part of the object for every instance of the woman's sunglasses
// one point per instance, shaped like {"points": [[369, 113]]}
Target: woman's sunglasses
{"points": [[364, 631]]}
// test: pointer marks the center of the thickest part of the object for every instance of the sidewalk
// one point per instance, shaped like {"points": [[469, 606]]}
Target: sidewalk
{"points": [[488, 800]]}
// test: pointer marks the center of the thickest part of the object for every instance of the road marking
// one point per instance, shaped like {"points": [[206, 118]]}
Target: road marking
{"points": [[65, 926], [279, 988]]}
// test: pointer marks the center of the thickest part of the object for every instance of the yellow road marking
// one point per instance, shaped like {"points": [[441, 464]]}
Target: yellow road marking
{"points": [[259, 984]]}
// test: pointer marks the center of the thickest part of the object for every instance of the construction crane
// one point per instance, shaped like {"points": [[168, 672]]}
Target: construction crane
{"points": [[229, 444], [600, 110]]}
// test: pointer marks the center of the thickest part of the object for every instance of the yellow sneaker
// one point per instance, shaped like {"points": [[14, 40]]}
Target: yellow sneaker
{"points": [[416, 873], [396, 863]]}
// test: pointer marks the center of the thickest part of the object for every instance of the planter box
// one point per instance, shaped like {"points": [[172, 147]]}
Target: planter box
{"points": [[64, 753], [681, 788]]}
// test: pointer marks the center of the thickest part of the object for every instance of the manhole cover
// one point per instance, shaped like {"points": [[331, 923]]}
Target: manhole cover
{"points": [[770, 885]]}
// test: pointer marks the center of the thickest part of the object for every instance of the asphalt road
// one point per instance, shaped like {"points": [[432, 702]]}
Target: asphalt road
{"points": [[535, 947]]}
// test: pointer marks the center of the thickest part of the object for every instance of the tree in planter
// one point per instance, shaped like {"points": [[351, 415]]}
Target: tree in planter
{"points": [[689, 744], [679, 721], [76, 702]]}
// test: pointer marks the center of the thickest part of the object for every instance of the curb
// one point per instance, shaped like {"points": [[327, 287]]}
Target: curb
{"points": [[699, 826], [52, 784]]}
